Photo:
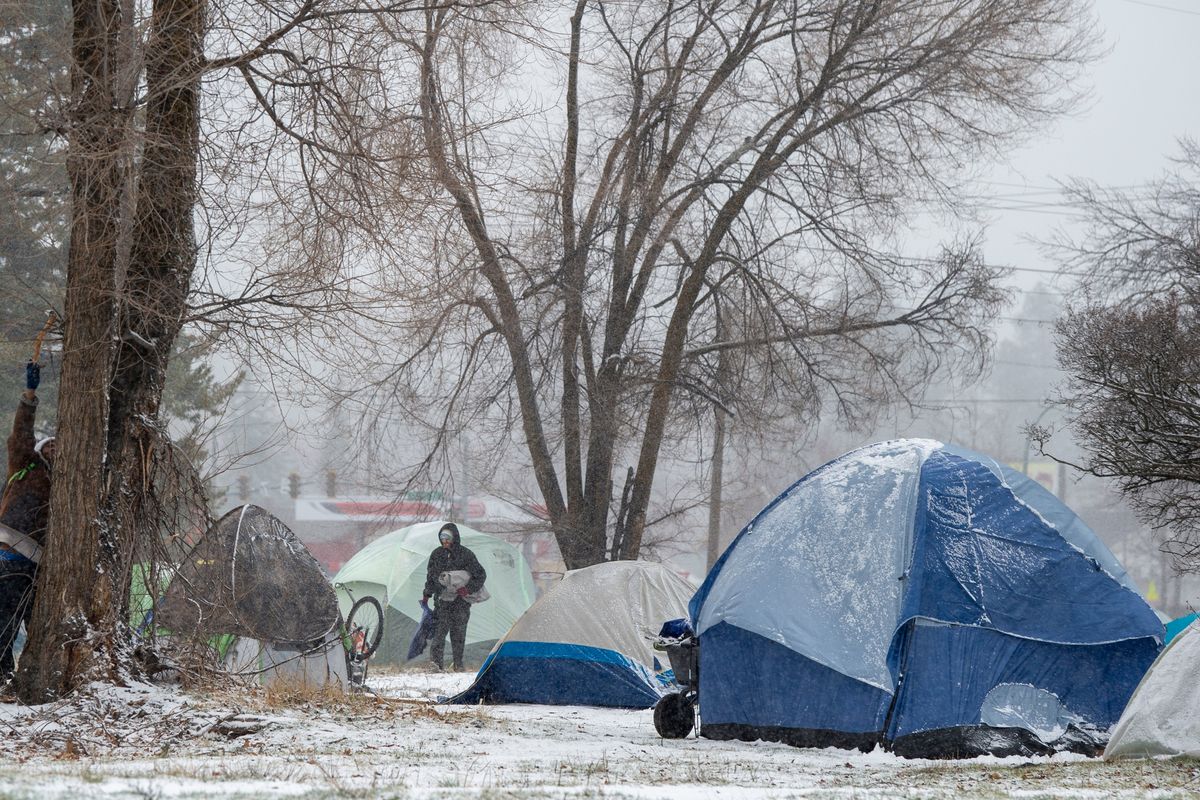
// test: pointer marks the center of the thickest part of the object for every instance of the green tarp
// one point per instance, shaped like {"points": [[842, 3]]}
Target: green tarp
{"points": [[392, 569]]}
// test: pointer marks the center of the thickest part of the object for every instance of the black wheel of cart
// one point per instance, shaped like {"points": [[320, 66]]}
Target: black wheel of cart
{"points": [[674, 716]]}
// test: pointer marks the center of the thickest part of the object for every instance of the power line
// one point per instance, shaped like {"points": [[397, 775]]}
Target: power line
{"points": [[1019, 290], [1007, 363], [926, 261], [1164, 8], [1048, 212], [1042, 270], [986, 401], [1060, 189]]}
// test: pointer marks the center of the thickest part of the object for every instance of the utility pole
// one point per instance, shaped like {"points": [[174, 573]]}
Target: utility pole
{"points": [[714, 494], [717, 475]]}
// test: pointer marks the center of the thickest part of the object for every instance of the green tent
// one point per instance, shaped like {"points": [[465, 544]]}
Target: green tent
{"points": [[142, 597], [392, 569]]}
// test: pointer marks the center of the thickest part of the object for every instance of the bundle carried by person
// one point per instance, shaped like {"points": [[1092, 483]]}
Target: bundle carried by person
{"points": [[453, 580]]}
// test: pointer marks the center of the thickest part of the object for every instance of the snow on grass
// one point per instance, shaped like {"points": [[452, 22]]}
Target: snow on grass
{"points": [[146, 742]]}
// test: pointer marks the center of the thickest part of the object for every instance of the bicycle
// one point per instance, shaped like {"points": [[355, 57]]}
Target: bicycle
{"points": [[364, 633]]}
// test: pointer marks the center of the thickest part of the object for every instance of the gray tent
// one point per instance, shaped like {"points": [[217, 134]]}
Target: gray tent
{"points": [[1163, 716], [251, 578]]}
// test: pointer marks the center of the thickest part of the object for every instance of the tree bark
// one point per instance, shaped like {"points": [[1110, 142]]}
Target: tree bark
{"points": [[122, 320], [162, 260], [74, 587]]}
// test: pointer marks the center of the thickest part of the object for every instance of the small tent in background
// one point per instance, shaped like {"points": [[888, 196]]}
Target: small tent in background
{"points": [[586, 641], [147, 584], [392, 569], [923, 596], [249, 577], [1178, 626], [1163, 716]]}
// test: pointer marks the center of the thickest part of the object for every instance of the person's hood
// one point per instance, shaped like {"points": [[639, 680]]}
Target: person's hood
{"points": [[37, 448], [455, 538]]}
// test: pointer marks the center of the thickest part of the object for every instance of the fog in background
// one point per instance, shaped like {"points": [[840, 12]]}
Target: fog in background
{"points": [[1142, 102]]}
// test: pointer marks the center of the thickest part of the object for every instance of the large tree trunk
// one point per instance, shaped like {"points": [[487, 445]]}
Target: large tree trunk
{"points": [[116, 353], [162, 260], [75, 588], [504, 313]]}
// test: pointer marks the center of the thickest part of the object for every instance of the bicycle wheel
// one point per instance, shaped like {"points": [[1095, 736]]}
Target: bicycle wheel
{"points": [[365, 625]]}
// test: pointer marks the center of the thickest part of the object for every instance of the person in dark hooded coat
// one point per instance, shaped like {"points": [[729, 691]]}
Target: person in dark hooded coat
{"points": [[24, 516], [451, 606]]}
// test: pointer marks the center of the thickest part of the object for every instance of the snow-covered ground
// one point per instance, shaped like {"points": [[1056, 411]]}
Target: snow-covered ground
{"points": [[152, 743]]}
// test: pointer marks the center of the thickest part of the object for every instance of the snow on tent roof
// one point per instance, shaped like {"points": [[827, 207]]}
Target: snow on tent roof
{"points": [[586, 641], [250, 576], [844, 576], [859, 572]]}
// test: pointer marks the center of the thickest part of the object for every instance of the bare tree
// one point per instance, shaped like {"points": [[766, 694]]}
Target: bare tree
{"points": [[126, 286], [763, 152], [1133, 401], [1132, 352], [1140, 245], [135, 137]]}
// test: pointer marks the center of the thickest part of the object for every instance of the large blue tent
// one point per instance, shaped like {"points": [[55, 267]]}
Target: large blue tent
{"points": [[922, 596]]}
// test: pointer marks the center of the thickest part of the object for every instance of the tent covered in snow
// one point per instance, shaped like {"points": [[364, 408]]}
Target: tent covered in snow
{"points": [[919, 595], [392, 570], [250, 586], [587, 640], [1163, 716]]}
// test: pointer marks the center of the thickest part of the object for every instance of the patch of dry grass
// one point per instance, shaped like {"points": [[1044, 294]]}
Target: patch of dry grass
{"points": [[296, 692], [1165, 778]]}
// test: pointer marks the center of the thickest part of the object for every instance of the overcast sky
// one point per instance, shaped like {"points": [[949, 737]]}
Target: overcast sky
{"points": [[1145, 97]]}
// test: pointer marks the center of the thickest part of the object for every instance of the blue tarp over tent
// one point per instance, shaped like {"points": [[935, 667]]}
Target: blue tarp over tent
{"points": [[555, 673], [924, 596]]}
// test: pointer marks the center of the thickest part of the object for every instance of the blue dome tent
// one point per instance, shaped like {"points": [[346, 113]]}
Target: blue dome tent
{"points": [[919, 595]]}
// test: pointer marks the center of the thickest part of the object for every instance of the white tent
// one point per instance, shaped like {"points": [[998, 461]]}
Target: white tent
{"points": [[587, 641], [1162, 717], [275, 663]]}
